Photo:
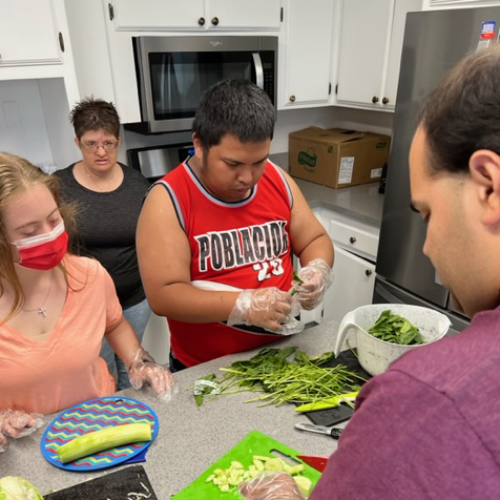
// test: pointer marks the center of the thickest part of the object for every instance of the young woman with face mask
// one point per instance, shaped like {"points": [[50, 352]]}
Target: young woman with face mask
{"points": [[55, 309]]}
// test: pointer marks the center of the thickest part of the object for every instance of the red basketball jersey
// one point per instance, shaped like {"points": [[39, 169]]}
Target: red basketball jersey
{"points": [[242, 244]]}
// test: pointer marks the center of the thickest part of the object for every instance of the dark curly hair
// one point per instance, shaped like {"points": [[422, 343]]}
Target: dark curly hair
{"points": [[236, 107], [95, 114]]}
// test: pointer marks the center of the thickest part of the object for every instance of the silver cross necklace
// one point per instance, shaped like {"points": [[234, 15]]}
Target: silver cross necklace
{"points": [[41, 310]]}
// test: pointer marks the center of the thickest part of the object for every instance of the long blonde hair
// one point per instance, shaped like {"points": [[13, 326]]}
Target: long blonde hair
{"points": [[17, 176]]}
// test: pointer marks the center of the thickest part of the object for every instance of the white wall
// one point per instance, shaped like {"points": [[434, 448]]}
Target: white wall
{"points": [[59, 129], [34, 123], [288, 121], [327, 117], [22, 121]]}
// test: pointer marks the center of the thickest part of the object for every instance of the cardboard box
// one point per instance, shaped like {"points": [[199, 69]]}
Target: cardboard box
{"points": [[337, 157]]}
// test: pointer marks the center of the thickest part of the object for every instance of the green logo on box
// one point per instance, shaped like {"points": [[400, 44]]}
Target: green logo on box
{"points": [[308, 159], [381, 145]]}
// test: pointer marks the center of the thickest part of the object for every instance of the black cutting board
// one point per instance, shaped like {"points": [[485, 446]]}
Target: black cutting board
{"points": [[114, 486], [333, 416]]}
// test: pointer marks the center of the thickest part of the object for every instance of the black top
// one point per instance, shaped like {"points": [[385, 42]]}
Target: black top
{"points": [[106, 228]]}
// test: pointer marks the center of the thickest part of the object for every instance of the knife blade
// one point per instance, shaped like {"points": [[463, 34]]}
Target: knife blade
{"points": [[318, 463], [334, 432]]}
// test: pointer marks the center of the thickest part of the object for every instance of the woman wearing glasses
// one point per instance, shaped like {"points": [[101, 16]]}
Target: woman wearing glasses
{"points": [[110, 197]]}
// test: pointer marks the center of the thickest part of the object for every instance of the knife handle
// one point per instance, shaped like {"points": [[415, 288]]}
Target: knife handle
{"points": [[336, 432]]}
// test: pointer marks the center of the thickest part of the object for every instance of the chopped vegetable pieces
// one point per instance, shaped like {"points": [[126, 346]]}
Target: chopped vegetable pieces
{"points": [[396, 329], [325, 404], [228, 479]]}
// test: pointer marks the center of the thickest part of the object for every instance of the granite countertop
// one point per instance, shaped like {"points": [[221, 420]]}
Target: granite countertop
{"points": [[190, 440]]}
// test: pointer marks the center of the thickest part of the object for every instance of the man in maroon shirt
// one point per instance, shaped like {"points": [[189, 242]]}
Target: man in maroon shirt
{"points": [[429, 427]]}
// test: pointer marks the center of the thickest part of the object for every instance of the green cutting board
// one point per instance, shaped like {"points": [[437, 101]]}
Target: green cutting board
{"points": [[254, 443]]}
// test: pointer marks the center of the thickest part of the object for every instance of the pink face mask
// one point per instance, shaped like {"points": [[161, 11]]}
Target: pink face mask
{"points": [[43, 251]]}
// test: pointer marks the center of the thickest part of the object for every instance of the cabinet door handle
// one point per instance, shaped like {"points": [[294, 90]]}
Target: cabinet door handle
{"points": [[352, 239], [368, 272], [215, 21], [61, 42], [374, 99], [201, 21], [385, 100], [292, 98]]}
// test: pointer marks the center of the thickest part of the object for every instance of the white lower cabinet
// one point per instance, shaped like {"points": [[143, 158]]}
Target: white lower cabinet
{"points": [[356, 246], [353, 282]]}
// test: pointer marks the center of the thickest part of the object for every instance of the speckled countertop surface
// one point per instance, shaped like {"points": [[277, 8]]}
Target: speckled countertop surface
{"points": [[189, 440], [363, 203]]}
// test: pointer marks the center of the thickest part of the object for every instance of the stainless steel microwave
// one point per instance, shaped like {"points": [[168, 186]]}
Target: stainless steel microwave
{"points": [[173, 72]]}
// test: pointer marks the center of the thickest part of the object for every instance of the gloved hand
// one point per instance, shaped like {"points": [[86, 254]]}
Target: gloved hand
{"points": [[317, 277], [144, 368], [268, 308], [271, 486], [16, 424]]}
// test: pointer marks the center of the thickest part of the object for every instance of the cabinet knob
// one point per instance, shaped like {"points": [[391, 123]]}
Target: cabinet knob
{"points": [[292, 98], [368, 272], [352, 239], [215, 21], [374, 99], [385, 100], [201, 21]]}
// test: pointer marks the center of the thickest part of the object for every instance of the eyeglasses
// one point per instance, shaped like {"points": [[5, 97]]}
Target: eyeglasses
{"points": [[94, 146]]}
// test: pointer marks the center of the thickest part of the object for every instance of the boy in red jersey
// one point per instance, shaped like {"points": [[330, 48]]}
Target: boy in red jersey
{"points": [[216, 235]]}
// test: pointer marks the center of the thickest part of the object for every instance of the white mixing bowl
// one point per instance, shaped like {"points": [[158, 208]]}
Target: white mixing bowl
{"points": [[374, 354]]}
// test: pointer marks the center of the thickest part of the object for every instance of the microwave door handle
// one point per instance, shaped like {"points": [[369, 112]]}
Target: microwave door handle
{"points": [[259, 70]]}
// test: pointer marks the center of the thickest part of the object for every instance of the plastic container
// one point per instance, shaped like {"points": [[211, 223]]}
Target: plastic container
{"points": [[374, 354]]}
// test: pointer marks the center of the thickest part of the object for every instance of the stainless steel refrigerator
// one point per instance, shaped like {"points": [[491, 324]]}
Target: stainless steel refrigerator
{"points": [[434, 41]]}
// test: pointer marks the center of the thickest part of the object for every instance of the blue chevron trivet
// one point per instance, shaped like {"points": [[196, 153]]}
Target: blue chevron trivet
{"points": [[93, 415]]}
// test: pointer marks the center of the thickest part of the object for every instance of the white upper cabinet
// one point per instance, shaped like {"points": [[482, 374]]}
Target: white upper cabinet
{"points": [[306, 80], [243, 14], [28, 33], [35, 44], [198, 15], [154, 15], [363, 37], [371, 41]]}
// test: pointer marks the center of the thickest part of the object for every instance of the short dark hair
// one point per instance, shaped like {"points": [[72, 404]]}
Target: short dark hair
{"points": [[461, 114], [236, 107], [95, 114]]}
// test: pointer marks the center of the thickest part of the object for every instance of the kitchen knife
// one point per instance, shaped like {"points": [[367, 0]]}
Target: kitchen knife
{"points": [[334, 432], [318, 463]]}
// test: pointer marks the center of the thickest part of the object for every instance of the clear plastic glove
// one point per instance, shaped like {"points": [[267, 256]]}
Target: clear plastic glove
{"points": [[17, 424], [271, 486], [316, 278], [269, 308], [144, 368]]}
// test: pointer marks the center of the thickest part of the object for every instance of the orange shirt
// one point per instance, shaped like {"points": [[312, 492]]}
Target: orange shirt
{"points": [[65, 369]]}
